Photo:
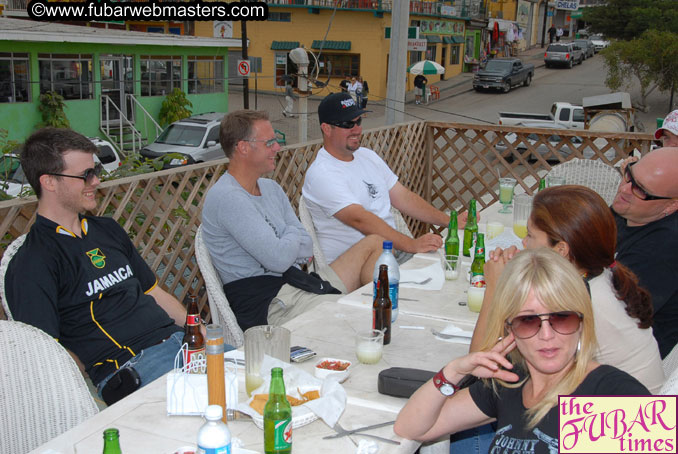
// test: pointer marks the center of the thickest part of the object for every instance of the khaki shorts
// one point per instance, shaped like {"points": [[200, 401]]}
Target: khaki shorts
{"points": [[418, 91], [291, 301]]}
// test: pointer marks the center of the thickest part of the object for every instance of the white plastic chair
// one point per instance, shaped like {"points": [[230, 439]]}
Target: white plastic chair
{"points": [[4, 263], [319, 260], [596, 175], [220, 309], [43, 392], [670, 364]]}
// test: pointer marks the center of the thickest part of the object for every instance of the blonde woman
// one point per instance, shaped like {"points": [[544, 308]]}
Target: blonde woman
{"points": [[544, 320]]}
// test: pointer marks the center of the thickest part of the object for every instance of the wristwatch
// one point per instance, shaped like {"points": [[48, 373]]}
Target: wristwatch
{"points": [[444, 386]]}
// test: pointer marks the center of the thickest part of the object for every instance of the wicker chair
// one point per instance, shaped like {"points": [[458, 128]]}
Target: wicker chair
{"points": [[319, 259], [596, 175], [4, 263], [219, 306], [43, 392], [670, 364]]}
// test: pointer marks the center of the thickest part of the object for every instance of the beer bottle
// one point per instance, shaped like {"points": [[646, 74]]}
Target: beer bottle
{"points": [[478, 265], [277, 417], [542, 184], [381, 307], [112, 442], [193, 337], [471, 228], [452, 240]]}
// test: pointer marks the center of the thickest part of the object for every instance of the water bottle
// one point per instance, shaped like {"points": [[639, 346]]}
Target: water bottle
{"points": [[214, 436], [387, 258]]}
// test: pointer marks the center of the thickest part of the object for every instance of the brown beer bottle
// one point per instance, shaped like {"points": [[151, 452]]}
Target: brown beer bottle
{"points": [[381, 307], [193, 337]]}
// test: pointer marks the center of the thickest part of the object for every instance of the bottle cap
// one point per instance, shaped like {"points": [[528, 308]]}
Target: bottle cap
{"points": [[213, 412], [388, 244]]}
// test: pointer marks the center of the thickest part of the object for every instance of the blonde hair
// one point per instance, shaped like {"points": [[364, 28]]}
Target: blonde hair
{"points": [[559, 287]]}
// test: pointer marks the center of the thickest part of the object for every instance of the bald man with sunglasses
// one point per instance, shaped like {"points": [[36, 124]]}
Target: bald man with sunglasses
{"points": [[646, 212], [349, 189], [80, 279]]}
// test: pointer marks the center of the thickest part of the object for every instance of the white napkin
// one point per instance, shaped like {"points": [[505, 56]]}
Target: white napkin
{"points": [[367, 447], [505, 240], [329, 406], [462, 336], [434, 271]]}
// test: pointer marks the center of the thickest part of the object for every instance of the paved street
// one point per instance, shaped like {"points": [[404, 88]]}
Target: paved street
{"points": [[459, 103]]}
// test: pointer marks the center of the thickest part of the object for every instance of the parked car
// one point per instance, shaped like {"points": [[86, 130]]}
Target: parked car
{"points": [[565, 54], [562, 114], [503, 74], [13, 180], [599, 42], [587, 47], [193, 139]]}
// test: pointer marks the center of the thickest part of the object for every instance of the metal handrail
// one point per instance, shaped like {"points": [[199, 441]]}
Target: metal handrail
{"points": [[147, 116], [122, 122]]}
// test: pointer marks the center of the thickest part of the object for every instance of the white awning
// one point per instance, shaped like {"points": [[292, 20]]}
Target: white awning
{"points": [[504, 25]]}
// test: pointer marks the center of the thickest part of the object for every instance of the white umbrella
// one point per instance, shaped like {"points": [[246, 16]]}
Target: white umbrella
{"points": [[426, 67]]}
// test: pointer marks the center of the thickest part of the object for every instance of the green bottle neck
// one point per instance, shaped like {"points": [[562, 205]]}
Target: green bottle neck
{"points": [[277, 383]]}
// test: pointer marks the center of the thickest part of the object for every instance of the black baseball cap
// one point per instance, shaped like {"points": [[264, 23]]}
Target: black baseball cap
{"points": [[338, 107]]}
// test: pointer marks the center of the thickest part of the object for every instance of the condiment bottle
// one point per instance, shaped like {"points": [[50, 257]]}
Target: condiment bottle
{"points": [[216, 389]]}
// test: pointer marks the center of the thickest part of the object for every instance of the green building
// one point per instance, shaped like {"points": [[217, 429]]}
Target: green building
{"points": [[113, 81]]}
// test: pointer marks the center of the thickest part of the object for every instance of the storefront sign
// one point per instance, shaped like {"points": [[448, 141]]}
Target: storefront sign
{"points": [[440, 27], [416, 44], [523, 13], [572, 5], [222, 29], [447, 10]]}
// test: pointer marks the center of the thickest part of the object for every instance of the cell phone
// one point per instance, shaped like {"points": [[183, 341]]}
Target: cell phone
{"points": [[120, 385], [299, 354]]}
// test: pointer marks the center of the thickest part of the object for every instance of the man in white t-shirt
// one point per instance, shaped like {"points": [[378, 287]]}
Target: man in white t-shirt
{"points": [[349, 189]]}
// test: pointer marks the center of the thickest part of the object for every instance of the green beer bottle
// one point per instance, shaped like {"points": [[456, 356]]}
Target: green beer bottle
{"points": [[112, 441], [478, 265], [452, 240], [277, 417], [471, 228], [542, 184]]}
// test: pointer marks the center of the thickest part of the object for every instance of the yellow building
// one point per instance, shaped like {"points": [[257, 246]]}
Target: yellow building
{"points": [[357, 41]]}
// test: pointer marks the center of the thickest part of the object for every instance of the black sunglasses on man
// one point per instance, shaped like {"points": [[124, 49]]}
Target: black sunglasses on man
{"points": [[87, 176]]}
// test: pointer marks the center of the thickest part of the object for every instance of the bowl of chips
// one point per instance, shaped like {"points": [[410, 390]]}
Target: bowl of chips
{"points": [[297, 397], [332, 367]]}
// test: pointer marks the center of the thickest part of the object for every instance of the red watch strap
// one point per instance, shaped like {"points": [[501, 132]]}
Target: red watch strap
{"points": [[440, 380]]}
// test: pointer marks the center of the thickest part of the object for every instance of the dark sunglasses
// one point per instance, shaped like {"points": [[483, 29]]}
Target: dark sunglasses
{"points": [[87, 176], [526, 326], [636, 189], [348, 124]]}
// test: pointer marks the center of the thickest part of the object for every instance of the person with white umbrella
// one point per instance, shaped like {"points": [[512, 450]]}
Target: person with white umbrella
{"points": [[421, 68]]}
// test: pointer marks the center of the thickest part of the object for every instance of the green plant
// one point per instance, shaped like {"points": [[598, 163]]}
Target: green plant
{"points": [[175, 107], [52, 109], [7, 164]]}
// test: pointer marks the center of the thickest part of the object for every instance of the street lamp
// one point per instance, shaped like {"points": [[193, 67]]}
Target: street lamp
{"points": [[300, 58]]}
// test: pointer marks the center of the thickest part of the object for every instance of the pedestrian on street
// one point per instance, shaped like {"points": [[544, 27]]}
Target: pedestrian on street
{"points": [[559, 33], [365, 93], [290, 96], [345, 83], [419, 87], [552, 34]]}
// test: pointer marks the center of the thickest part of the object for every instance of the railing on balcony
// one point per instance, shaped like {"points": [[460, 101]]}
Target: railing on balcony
{"points": [[16, 6], [460, 8], [447, 164]]}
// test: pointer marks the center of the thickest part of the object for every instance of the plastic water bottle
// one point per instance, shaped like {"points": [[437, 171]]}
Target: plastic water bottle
{"points": [[387, 258], [214, 436]]}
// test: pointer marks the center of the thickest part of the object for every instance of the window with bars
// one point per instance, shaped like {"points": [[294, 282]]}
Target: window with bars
{"points": [[14, 77], [206, 74], [159, 74], [69, 75]]}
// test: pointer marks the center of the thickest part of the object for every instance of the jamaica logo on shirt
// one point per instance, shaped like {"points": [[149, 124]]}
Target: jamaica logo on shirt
{"points": [[97, 257]]}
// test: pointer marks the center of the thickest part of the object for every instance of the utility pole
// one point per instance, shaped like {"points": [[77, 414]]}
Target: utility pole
{"points": [[397, 63], [300, 58], [543, 28], [246, 81]]}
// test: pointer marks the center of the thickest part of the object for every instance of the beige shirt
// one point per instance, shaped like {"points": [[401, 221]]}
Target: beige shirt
{"points": [[621, 343]]}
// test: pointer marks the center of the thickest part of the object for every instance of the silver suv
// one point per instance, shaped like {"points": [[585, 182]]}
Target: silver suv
{"points": [[193, 139], [565, 54]]}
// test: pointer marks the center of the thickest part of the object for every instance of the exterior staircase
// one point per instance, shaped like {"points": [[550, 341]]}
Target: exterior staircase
{"points": [[121, 130]]}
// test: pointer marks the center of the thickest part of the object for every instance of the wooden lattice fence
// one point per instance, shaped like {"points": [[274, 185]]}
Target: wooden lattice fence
{"points": [[446, 164]]}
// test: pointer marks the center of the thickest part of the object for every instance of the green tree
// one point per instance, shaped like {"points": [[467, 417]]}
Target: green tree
{"points": [[175, 107], [652, 59], [628, 19]]}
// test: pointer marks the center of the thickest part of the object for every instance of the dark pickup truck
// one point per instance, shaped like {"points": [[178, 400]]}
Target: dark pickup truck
{"points": [[504, 74]]}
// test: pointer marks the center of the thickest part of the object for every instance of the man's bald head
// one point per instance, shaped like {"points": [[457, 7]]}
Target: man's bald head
{"points": [[655, 174]]}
